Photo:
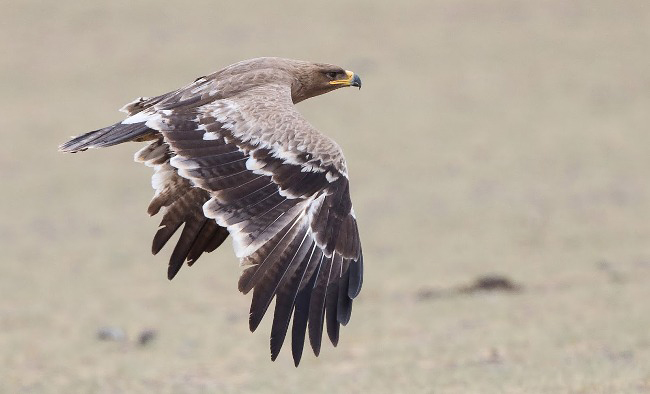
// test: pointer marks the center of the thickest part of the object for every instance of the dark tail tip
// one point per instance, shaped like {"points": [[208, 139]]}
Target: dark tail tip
{"points": [[108, 136]]}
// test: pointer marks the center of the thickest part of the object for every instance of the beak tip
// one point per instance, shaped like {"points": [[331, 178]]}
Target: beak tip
{"points": [[356, 81]]}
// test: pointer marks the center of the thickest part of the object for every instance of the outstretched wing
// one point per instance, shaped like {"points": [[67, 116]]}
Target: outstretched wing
{"points": [[281, 190]]}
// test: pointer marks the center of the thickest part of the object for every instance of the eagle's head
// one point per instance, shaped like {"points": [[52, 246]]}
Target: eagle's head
{"points": [[306, 79]]}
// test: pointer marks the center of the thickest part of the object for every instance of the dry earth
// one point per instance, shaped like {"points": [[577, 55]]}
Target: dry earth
{"points": [[501, 137]]}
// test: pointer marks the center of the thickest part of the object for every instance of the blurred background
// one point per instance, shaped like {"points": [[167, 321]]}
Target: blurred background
{"points": [[506, 139]]}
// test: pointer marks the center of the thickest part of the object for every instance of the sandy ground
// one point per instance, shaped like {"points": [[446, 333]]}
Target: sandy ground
{"points": [[501, 137]]}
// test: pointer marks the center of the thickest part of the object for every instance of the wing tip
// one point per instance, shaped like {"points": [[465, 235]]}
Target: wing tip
{"points": [[173, 268], [276, 346], [315, 347], [254, 321], [296, 353]]}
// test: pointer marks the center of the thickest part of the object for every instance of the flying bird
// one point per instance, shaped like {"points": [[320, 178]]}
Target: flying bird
{"points": [[232, 156]]}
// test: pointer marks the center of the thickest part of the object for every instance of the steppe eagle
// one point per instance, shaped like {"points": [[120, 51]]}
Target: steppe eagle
{"points": [[233, 156]]}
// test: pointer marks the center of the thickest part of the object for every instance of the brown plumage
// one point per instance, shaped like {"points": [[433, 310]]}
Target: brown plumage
{"points": [[233, 156]]}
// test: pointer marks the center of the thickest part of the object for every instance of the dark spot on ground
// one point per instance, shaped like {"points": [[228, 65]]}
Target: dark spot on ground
{"points": [[484, 283], [429, 293], [490, 283], [146, 337]]}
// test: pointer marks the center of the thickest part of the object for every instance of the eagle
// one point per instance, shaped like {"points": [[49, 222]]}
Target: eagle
{"points": [[232, 155]]}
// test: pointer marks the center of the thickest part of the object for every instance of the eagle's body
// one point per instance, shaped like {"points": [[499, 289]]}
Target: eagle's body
{"points": [[233, 156]]}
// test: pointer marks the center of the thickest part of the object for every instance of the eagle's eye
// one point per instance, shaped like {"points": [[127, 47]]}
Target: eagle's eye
{"points": [[332, 75]]}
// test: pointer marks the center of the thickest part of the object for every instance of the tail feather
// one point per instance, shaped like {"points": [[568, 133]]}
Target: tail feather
{"points": [[108, 136]]}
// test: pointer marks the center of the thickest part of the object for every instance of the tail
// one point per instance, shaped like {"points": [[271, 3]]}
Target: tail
{"points": [[108, 136]]}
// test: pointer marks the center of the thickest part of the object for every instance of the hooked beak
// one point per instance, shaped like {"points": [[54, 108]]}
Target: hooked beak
{"points": [[351, 80]]}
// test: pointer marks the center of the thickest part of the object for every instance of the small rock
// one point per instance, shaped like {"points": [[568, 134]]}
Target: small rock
{"points": [[111, 334], [146, 337], [491, 283]]}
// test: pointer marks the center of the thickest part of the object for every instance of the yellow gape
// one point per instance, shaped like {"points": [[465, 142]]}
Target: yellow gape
{"points": [[346, 82]]}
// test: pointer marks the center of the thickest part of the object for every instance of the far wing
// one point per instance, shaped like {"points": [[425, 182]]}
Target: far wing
{"points": [[181, 205]]}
